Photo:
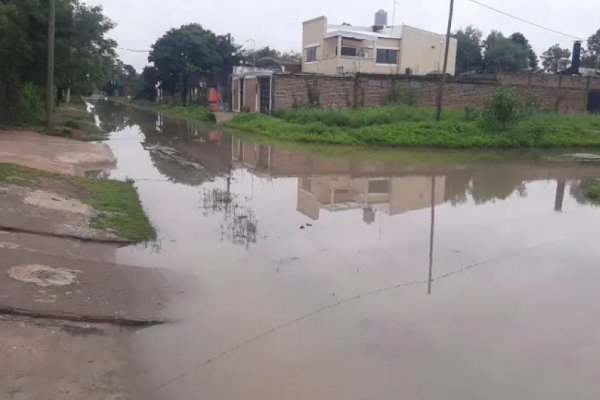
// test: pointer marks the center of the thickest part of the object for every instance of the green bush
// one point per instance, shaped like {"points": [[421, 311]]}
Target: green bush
{"points": [[504, 108], [472, 113], [31, 109], [73, 124]]}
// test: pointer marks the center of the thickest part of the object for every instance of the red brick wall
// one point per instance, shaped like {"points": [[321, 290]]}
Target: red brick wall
{"points": [[565, 93]]}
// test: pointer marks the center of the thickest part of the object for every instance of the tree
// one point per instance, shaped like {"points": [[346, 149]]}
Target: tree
{"points": [[522, 41], [147, 84], [591, 57], [468, 56], [81, 47], [84, 56], [556, 59], [504, 54], [187, 52]]}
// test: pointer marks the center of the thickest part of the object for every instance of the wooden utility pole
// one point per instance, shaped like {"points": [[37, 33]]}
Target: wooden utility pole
{"points": [[440, 95], [50, 78]]}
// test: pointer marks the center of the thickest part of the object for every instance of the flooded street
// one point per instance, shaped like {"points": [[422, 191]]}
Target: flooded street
{"points": [[333, 273]]}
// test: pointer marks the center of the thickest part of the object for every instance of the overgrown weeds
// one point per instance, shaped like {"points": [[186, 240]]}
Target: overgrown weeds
{"points": [[30, 107], [416, 127]]}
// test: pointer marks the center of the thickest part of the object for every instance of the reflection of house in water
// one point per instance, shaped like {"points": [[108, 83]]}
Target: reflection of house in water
{"points": [[391, 195], [398, 184], [337, 184], [252, 156]]}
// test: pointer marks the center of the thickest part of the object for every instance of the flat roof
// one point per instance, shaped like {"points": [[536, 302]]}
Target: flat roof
{"points": [[363, 32]]}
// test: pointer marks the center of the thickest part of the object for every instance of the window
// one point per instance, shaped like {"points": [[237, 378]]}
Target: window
{"points": [[387, 56], [379, 186], [349, 51], [311, 54]]}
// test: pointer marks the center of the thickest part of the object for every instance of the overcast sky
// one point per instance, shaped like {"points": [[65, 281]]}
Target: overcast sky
{"points": [[278, 23]]}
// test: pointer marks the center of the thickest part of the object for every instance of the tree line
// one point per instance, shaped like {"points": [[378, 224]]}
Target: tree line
{"points": [[497, 53], [184, 56], [85, 58]]}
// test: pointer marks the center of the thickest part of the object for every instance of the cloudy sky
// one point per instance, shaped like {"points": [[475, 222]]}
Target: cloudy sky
{"points": [[278, 23]]}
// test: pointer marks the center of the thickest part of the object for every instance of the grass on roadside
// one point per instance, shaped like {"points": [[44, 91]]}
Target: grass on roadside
{"points": [[117, 203], [415, 126]]}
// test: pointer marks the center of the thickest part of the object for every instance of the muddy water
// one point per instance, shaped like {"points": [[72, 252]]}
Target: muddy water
{"points": [[326, 273]]}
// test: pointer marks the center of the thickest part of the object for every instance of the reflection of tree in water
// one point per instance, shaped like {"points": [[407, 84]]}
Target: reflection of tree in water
{"points": [[239, 221], [113, 117], [578, 193], [496, 184]]}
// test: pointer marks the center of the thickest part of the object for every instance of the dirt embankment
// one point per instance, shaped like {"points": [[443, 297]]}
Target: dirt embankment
{"points": [[54, 154]]}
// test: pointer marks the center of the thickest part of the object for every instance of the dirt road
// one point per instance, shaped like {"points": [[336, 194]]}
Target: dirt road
{"points": [[53, 154], [67, 310]]}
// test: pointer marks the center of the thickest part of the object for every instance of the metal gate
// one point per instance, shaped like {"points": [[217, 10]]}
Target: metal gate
{"points": [[265, 95], [594, 101]]}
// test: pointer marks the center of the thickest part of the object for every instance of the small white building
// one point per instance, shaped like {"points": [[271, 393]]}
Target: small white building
{"points": [[251, 89], [378, 49]]}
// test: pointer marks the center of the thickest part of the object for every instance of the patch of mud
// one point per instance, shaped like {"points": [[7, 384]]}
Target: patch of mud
{"points": [[64, 187], [101, 155], [42, 275], [54, 201], [75, 330]]}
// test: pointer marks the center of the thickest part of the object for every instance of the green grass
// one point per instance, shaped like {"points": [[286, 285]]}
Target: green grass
{"points": [[408, 126], [117, 203], [591, 189], [192, 113]]}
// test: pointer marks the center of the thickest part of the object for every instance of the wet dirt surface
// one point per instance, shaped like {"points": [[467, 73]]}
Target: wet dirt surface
{"points": [[53, 154], [44, 359], [53, 212], [324, 273]]}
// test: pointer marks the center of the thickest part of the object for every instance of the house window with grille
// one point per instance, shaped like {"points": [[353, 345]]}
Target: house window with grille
{"points": [[349, 51], [311, 54], [387, 56]]}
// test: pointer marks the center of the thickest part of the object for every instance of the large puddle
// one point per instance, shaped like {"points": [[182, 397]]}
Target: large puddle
{"points": [[328, 273]]}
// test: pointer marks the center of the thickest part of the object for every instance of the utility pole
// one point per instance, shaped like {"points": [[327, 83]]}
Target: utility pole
{"points": [[50, 79], [440, 95], [431, 236]]}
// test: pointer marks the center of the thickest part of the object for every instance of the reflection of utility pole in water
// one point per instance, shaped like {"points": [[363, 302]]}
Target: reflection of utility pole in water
{"points": [[560, 195], [432, 227]]}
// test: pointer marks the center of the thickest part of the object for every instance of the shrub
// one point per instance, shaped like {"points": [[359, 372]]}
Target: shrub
{"points": [[72, 124], [472, 113], [504, 108], [31, 108]]}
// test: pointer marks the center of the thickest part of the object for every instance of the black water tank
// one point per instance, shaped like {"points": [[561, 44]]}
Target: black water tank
{"points": [[576, 58]]}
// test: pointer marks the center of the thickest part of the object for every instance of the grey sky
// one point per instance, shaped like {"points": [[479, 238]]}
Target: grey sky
{"points": [[278, 23]]}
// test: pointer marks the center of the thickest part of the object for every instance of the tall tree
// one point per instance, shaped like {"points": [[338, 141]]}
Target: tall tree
{"points": [[522, 41], [186, 52], [468, 57], [147, 85], [591, 57], [556, 59], [83, 53], [503, 54]]}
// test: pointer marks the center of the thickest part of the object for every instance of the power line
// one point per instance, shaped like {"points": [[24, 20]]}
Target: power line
{"points": [[134, 50], [525, 21]]}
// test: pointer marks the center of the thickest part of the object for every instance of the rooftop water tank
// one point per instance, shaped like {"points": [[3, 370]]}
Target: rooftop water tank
{"points": [[381, 18]]}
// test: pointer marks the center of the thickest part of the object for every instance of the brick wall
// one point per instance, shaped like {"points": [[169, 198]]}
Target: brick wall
{"points": [[564, 93]]}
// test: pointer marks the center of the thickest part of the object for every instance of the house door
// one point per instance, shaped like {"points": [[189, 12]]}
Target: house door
{"points": [[594, 101], [265, 95]]}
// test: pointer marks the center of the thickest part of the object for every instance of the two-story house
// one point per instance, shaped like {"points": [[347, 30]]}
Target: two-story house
{"points": [[378, 49]]}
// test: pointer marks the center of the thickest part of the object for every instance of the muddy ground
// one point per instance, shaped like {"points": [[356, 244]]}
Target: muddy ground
{"points": [[54, 154], [67, 310]]}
